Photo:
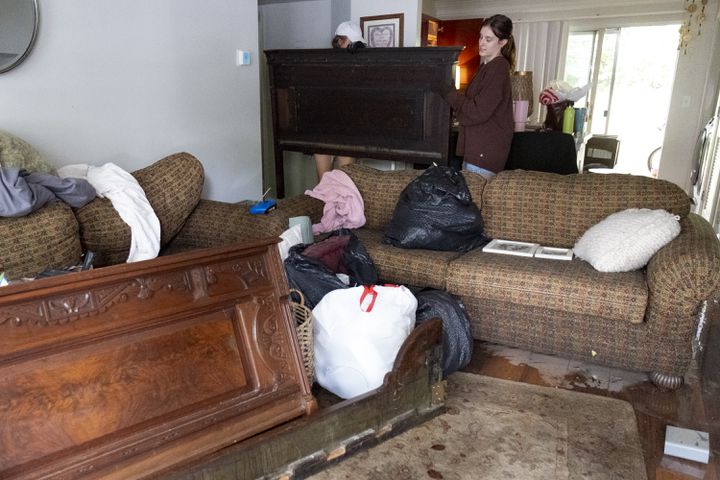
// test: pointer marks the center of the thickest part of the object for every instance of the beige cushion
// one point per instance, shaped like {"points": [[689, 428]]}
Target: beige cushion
{"points": [[567, 286], [16, 152], [416, 267], [172, 186]]}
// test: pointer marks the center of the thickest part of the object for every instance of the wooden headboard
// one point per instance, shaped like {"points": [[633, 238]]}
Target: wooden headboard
{"points": [[127, 371]]}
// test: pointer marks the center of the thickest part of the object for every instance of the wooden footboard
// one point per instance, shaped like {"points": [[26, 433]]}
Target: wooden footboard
{"points": [[126, 371]]}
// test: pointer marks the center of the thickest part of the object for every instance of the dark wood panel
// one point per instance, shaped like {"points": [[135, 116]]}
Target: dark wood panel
{"points": [[376, 103]]}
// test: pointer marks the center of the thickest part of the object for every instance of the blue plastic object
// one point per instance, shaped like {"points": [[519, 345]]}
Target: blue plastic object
{"points": [[263, 207]]}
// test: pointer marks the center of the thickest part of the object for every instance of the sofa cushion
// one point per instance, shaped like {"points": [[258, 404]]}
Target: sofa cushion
{"points": [[172, 186], [16, 152], [627, 240], [380, 190], [417, 267], [46, 238], [574, 286], [555, 210]]}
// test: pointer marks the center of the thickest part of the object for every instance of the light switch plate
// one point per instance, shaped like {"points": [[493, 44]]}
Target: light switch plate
{"points": [[242, 57], [689, 444]]}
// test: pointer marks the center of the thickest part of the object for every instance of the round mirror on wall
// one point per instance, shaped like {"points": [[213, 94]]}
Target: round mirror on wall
{"points": [[18, 27]]}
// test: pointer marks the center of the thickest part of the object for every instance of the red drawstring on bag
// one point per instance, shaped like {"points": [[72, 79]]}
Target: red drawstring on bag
{"points": [[370, 290]]}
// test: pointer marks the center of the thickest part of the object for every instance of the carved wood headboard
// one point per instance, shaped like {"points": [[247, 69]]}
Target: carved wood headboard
{"points": [[129, 370]]}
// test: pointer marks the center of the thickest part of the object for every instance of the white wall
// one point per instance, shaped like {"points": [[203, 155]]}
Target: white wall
{"points": [[411, 9], [132, 81], [306, 24], [693, 101]]}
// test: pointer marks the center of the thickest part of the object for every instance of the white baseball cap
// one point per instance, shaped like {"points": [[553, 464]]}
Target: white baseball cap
{"points": [[350, 30]]}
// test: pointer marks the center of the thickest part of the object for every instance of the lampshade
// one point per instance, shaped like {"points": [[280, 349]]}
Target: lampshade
{"points": [[522, 88]]}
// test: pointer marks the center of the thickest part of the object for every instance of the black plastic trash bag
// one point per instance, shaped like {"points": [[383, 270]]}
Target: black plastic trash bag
{"points": [[457, 339], [312, 268], [436, 212]]}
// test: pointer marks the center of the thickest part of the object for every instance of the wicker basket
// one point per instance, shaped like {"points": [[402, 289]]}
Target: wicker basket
{"points": [[303, 321]]}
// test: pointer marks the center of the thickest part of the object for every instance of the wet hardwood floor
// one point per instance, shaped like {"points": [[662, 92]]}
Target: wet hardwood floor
{"points": [[695, 405]]}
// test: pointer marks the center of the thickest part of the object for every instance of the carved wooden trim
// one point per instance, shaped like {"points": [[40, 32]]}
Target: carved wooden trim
{"points": [[250, 272], [61, 310]]}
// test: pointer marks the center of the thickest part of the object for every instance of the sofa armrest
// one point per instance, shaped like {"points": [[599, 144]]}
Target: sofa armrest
{"points": [[300, 205], [686, 271], [214, 223]]}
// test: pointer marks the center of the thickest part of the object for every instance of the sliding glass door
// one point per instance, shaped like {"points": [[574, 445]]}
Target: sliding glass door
{"points": [[630, 71]]}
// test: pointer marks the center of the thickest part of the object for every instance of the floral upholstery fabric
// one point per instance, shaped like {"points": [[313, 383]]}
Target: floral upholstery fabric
{"points": [[218, 223], [422, 268], [172, 186], [47, 238], [568, 286], [555, 210]]}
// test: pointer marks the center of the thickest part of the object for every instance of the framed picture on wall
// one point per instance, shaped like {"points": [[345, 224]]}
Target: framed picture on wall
{"points": [[383, 30]]}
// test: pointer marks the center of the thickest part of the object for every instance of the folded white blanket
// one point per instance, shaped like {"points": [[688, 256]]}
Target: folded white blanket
{"points": [[128, 198]]}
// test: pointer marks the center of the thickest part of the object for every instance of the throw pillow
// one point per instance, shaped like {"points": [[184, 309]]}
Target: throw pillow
{"points": [[16, 152], [626, 240]]}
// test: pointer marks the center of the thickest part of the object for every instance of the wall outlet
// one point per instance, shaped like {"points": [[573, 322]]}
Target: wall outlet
{"points": [[689, 444]]}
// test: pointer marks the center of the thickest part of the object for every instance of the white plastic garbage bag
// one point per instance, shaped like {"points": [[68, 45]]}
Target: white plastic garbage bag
{"points": [[357, 333]]}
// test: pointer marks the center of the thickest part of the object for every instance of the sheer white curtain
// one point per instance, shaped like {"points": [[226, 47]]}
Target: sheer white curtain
{"points": [[539, 46]]}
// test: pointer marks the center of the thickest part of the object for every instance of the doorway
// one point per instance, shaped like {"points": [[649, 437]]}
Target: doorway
{"points": [[630, 71]]}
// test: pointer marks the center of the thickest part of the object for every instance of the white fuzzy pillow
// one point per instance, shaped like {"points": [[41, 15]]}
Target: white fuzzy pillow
{"points": [[626, 240]]}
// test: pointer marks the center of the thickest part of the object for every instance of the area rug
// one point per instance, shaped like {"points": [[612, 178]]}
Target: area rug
{"points": [[497, 429]]}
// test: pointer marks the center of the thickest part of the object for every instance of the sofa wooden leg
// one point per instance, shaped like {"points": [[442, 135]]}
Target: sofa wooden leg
{"points": [[666, 381]]}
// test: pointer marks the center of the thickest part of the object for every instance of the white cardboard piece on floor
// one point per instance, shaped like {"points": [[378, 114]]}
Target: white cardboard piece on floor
{"points": [[689, 444]]}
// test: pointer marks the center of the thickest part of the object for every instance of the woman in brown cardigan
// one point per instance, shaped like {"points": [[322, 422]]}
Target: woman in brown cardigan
{"points": [[484, 110]]}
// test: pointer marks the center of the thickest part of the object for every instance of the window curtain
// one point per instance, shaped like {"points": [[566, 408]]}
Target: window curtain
{"points": [[538, 49]]}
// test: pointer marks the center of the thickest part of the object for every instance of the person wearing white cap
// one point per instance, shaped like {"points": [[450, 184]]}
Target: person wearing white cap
{"points": [[349, 36]]}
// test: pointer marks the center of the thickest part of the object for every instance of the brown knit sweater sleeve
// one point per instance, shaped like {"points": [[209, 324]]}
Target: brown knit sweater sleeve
{"points": [[484, 95]]}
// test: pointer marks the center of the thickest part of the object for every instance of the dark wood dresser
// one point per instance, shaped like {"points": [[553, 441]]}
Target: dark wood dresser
{"points": [[382, 103]]}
